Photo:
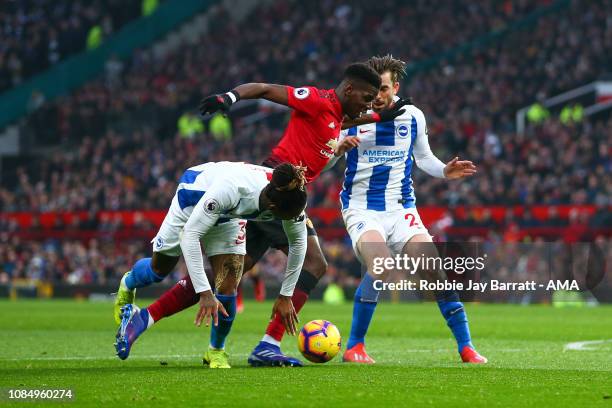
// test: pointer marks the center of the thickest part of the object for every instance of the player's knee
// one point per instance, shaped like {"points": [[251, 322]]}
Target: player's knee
{"points": [[231, 274], [421, 245], [249, 263], [234, 266], [161, 267], [227, 288], [156, 269]]}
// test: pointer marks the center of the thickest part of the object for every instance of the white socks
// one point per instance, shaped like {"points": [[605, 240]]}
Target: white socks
{"points": [[271, 340]]}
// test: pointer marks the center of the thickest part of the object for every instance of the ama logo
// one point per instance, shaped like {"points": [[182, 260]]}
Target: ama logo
{"points": [[402, 131]]}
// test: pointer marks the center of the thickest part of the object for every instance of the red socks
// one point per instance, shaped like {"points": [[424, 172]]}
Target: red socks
{"points": [[177, 298], [182, 295], [275, 328]]}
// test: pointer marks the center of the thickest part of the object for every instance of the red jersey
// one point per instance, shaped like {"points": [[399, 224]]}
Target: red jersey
{"points": [[312, 132]]}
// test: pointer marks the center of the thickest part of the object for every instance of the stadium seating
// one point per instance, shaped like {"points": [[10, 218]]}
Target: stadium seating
{"points": [[38, 34], [136, 119], [117, 147]]}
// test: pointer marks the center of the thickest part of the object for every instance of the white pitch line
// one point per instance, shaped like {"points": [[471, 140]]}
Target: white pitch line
{"points": [[585, 345]]}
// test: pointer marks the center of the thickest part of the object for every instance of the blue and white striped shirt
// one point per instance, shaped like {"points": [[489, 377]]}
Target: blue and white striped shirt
{"points": [[378, 172]]}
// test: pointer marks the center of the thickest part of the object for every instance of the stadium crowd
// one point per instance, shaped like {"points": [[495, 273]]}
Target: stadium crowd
{"points": [[553, 164], [36, 34], [103, 262], [129, 131]]}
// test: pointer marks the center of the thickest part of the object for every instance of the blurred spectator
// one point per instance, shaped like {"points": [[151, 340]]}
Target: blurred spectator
{"points": [[487, 220], [189, 126], [113, 69], [527, 220], [36, 34], [94, 37], [602, 217], [149, 6], [554, 220], [220, 128]]}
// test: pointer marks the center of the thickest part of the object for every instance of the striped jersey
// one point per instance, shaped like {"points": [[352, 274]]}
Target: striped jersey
{"points": [[378, 172], [214, 193], [233, 189]]}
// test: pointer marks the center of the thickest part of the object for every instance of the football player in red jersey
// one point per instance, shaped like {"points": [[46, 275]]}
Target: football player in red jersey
{"points": [[309, 140]]}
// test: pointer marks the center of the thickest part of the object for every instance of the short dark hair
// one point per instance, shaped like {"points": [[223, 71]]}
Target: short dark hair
{"points": [[387, 63], [287, 189], [362, 72]]}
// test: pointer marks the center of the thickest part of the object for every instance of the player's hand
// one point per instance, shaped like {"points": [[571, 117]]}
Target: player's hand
{"points": [[214, 103], [456, 169], [393, 111], [209, 306], [348, 143], [284, 308]]}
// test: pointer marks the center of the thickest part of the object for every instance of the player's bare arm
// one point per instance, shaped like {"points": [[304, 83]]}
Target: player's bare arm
{"points": [[271, 92], [223, 102], [384, 115]]}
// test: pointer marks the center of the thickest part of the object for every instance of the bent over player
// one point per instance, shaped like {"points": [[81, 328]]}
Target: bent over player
{"points": [[379, 208], [210, 205]]}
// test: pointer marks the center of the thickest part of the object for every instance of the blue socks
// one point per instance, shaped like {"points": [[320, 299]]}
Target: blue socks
{"points": [[219, 333], [366, 298], [142, 275], [456, 319]]}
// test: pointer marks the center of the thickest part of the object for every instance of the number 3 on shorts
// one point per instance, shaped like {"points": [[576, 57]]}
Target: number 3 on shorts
{"points": [[242, 233]]}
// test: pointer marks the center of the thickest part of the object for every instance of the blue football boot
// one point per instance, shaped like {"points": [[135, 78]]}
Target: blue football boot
{"points": [[132, 326], [269, 355]]}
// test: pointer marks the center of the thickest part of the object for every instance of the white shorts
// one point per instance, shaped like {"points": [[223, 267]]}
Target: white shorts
{"points": [[227, 237], [396, 227]]}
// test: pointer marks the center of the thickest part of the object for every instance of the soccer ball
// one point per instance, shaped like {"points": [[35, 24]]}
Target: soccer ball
{"points": [[319, 341]]}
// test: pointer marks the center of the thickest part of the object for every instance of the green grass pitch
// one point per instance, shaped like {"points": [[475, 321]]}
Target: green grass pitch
{"points": [[68, 344]]}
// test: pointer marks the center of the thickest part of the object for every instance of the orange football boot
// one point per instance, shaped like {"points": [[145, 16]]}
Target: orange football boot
{"points": [[357, 354]]}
